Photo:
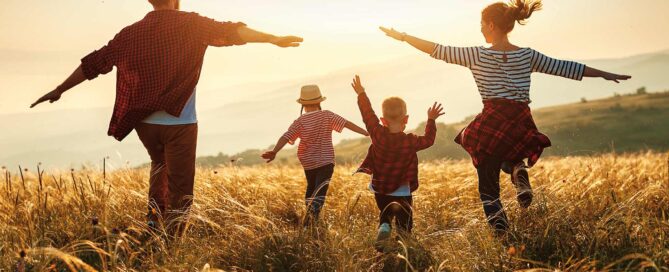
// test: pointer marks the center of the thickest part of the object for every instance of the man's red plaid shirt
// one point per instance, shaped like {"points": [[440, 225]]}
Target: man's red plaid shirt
{"points": [[391, 159], [158, 62]]}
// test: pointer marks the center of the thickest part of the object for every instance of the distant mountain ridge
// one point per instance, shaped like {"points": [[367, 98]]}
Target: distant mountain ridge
{"points": [[71, 137]]}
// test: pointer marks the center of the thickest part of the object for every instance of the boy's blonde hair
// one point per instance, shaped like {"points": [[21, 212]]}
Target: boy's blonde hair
{"points": [[394, 108]]}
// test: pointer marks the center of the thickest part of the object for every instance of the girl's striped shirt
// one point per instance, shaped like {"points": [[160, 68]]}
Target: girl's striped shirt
{"points": [[510, 77], [315, 132]]}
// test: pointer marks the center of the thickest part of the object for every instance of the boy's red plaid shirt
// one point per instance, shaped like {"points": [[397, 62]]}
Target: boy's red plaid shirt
{"points": [[391, 159]]}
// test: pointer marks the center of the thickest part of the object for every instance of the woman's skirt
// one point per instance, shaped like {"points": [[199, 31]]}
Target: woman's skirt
{"points": [[504, 130]]}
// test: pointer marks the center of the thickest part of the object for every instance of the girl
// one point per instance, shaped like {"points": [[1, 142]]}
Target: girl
{"points": [[316, 153], [504, 134]]}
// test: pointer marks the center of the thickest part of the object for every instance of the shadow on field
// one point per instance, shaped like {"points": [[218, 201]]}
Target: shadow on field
{"points": [[406, 254], [315, 249]]}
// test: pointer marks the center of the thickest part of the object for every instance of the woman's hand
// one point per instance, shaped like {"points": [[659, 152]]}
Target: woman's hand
{"points": [[357, 86], [400, 36], [435, 111], [418, 43], [615, 77], [592, 72]]}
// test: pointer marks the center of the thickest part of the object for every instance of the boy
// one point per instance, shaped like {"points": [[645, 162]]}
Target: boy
{"points": [[392, 161]]}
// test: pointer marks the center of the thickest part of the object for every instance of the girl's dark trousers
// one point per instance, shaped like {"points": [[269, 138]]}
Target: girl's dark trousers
{"points": [[317, 187]]}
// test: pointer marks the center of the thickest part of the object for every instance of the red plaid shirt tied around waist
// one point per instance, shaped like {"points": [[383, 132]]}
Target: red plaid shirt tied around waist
{"points": [[391, 159], [504, 130], [158, 62]]}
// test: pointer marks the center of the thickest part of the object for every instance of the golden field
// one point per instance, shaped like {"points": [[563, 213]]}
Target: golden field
{"points": [[604, 212]]}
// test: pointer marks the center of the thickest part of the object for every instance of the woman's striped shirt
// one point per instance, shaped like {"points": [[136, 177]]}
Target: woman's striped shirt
{"points": [[507, 77], [315, 132]]}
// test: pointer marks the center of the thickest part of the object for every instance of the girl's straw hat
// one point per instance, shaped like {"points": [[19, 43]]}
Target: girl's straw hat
{"points": [[310, 95]]}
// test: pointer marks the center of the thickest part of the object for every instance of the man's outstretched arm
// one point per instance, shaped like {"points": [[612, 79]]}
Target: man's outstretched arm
{"points": [[73, 80], [217, 33], [96, 63], [253, 36]]}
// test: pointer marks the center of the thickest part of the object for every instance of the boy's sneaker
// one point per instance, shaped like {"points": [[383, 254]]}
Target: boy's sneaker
{"points": [[382, 236], [521, 179], [153, 225]]}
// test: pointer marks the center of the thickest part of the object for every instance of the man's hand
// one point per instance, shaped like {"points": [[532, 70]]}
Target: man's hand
{"points": [[269, 156], [254, 36], [73, 80], [51, 96], [357, 86], [393, 33], [286, 41], [435, 111]]}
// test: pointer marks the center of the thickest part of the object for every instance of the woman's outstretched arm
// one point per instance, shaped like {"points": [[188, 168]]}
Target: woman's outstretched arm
{"points": [[420, 44], [592, 72], [569, 69], [464, 56]]}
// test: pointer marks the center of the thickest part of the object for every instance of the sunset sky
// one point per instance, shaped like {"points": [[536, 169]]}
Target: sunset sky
{"points": [[42, 41]]}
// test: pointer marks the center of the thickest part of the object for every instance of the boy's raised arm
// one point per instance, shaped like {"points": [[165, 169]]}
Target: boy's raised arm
{"points": [[368, 115], [427, 140]]}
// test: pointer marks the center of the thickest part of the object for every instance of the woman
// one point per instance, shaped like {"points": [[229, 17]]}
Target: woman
{"points": [[504, 134]]}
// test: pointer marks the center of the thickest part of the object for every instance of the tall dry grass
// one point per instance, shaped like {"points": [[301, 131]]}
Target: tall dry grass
{"points": [[604, 212]]}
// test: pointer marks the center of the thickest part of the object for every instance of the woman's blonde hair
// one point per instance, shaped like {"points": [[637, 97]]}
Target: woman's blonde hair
{"points": [[505, 15]]}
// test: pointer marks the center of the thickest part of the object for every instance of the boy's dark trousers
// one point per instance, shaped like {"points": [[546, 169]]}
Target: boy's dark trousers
{"points": [[488, 172], [399, 207], [317, 187]]}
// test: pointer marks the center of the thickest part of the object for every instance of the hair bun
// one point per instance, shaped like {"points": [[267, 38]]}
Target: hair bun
{"points": [[523, 9], [505, 15]]}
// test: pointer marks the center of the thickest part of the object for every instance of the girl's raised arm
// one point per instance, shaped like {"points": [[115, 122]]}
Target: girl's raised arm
{"points": [[353, 127], [270, 155], [420, 44]]}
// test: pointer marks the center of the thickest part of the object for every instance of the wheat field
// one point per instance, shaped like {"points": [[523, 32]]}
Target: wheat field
{"points": [[605, 212]]}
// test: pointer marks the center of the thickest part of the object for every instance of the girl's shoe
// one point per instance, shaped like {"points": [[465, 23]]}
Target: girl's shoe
{"points": [[521, 179], [382, 236]]}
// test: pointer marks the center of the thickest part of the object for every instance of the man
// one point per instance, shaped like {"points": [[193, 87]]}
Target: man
{"points": [[158, 62]]}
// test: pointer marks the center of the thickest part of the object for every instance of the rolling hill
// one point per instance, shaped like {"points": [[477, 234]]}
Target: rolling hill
{"points": [[623, 123]]}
